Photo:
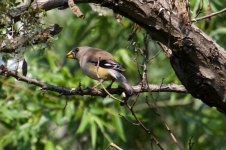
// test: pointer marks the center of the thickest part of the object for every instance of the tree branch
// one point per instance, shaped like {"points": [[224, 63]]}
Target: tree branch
{"points": [[209, 15], [90, 91], [10, 45]]}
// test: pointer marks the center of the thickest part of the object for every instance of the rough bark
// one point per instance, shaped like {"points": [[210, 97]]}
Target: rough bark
{"points": [[198, 61]]}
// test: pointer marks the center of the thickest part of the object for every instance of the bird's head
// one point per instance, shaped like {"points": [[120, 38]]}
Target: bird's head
{"points": [[73, 53], [78, 52]]}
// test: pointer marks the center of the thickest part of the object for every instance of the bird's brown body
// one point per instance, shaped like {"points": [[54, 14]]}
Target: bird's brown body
{"points": [[91, 63], [96, 72], [100, 65]]}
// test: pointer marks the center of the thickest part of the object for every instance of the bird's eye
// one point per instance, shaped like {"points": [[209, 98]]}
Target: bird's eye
{"points": [[76, 49]]}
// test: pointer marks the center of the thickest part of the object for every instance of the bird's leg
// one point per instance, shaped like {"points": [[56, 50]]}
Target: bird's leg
{"points": [[109, 86], [98, 83]]}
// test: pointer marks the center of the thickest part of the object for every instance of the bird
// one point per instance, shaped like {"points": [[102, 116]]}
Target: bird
{"points": [[100, 65]]}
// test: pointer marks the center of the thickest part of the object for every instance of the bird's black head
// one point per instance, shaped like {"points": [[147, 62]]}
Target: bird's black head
{"points": [[72, 54]]}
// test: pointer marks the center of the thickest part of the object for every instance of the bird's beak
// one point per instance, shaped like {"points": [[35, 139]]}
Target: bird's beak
{"points": [[70, 55]]}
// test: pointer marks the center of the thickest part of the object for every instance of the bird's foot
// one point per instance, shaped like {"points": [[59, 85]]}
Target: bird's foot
{"points": [[95, 90], [109, 86]]}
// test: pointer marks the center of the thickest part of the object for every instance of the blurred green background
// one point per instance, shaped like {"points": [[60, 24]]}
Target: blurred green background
{"points": [[32, 119]]}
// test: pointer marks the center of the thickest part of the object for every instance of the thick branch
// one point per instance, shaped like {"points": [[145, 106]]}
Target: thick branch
{"points": [[37, 4], [90, 91]]}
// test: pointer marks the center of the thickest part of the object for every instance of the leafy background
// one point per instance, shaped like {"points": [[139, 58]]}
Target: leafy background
{"points": [[31, 118]]}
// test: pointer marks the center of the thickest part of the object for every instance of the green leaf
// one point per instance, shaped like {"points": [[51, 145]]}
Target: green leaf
{"points": [[84, 122], [49, 146], [100, 124], [118, 126], [218, 31], [93, 133]]}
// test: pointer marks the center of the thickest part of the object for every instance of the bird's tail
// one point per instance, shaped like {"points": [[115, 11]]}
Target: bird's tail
{"points": [[123, 82]]}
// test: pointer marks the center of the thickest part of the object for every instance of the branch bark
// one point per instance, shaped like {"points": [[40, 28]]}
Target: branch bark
{"points": [[89, 91], [198, 61]]}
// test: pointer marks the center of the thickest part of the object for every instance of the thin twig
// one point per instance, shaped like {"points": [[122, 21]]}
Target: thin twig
{"points": [[142, 125], [166, 50], [165, 125], [109, 94], [190, 144], [172, 135], [209, 15], [114, 146], [98, 65], [188, 10], [144, 80], [144, 128], [133, 123], [137, 119]]}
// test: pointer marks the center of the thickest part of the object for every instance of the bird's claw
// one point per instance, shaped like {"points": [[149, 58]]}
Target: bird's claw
{"points": [[94, 89]]}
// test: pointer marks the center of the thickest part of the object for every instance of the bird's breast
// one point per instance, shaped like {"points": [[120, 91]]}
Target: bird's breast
{"points": [[96, 72]]}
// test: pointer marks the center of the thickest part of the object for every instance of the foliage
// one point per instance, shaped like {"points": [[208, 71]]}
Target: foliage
{"points": [[31, 118]]}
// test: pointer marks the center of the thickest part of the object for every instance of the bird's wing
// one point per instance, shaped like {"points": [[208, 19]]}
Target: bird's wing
{"points": [[110, 64], [104, 60]]}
